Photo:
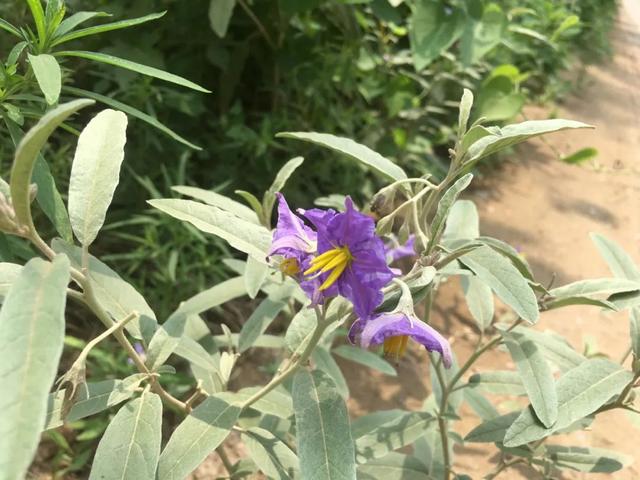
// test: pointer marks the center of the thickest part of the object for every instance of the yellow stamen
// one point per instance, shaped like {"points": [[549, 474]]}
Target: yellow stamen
{"points": [[396, 346], [335, 261], [290, 266]]}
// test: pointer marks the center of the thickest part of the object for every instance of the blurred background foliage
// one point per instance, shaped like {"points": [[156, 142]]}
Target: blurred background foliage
{"points": [[388, 73]]}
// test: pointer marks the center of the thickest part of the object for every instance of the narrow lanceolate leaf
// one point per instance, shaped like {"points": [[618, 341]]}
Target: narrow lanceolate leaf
{"points": [[91, 398], [492, 430], [366, 358], [277, 402], [76, 19], [279, 182], [27, 154], [130, 446], [480, 404], [132, 112], [581, 391], [479, 300], [352, 149], [258, 322], [554, 348], [498, 382], [197, 436], [444, 206], [391, 435], [255, 275], [324, 361], [133, 66], [462, 222], [596, 287], [95, 173], [466, 102], [47, 195], [31, 339], [247, 237], [272, 455], [325, 445], [48, 74], [587, 459], [220, 201], [116, 296], [220, 12], [105, 27], [620, 262], [536, 376], [504, 279], [516, 133], [394, 466]]}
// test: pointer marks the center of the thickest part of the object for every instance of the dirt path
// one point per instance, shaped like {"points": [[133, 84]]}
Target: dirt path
{"points": [[548, 209]]}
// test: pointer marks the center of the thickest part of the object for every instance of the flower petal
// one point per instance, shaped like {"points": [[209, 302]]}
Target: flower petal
{"points": [[291, 234], [394, 324]]}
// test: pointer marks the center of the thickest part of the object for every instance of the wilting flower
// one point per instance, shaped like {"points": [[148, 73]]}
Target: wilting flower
{"points": [[350, 258], [393, 331]]}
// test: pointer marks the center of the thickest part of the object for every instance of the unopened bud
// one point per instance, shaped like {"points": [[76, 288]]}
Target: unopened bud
{"points": [[8, 222]]}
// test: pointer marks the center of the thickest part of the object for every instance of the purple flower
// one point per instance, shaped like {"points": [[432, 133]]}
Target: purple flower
{"points": [[137, 346], [396, 252], [292, 239], [351, 258], [394, 329]]}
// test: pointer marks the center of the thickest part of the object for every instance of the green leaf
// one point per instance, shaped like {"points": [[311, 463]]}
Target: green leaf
{"points": [[462, 222], [105, 27], [499, 100], [480, 37], [258, 322], [272, 456], [278, 184], [221, 201], [567, 23], [620, 262], [580, 156], [8, 274], [394, 466], [199, 434], [368, 423], [479, 300], [516, 133], [4, 25], [444, 207], [466, 102], [578, 300], [634, 330], [556, 350], [595, 287], [48, 74], [247, 237], [116, 296], [134, 67], [255, 275], [95, 173], [536, 376], [324, 442], [492, 430], [91, 398], [220, 12], [480, 404], [587, 459], [433, 27], [391, 435], [325, 362], [511, 253], [76, 19], [129, 110], [277, 403], [27, 154], [31, 340], [352, 149], [581, 391], [366, 358], [504, 279], [39, 19], [130, 446], [167, 338], [47, 195], [300, 327], [498, 382]]}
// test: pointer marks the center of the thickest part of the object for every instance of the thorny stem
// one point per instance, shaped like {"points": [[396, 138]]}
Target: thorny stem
{"points": [[279, 378]]}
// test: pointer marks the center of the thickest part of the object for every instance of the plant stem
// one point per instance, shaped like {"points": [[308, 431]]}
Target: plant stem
{"points": [[258, 23], [502, 467]]}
